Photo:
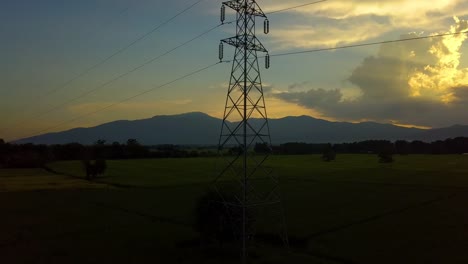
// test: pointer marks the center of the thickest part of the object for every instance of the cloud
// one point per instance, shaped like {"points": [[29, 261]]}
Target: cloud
{"points": [[129, 110], [349, 21], [438, 79], [399, 12], [318, 98], [415, 82], [328, 32], [296, 86]]}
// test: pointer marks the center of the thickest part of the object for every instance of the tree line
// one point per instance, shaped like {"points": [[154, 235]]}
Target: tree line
{"points": [[30, 155], [33, 156], [449, 146]]}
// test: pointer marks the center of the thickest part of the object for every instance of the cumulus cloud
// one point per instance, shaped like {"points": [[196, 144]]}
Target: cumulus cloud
{"points": [[415, 82], [439, 79]]}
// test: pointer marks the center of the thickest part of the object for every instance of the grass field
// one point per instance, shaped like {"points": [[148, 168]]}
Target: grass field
{"points": [[353, 210]]}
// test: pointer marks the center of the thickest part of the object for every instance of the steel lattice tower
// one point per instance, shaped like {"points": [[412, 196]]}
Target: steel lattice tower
{"points": [[248, 188]]}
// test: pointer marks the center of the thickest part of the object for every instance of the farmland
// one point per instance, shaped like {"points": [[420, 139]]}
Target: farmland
{"points": [[352, 210]]}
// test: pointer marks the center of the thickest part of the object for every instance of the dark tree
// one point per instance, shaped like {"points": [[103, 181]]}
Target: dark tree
{"points": [[100, 142], [262, 148], [101, 166], [214, 221], [132, 142], [94, 169], [386, 154], [135, 149], [402, 147], [72, 151], [439, 147], [3, 153], [329, 153], [89, 169], [236, 150], [117, 151], [457, 145], [419, 147]]}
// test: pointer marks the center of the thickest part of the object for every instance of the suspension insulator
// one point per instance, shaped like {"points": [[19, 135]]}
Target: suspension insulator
{"points": [[266, 26], [221, 51], [223, 13], [267, 61]]}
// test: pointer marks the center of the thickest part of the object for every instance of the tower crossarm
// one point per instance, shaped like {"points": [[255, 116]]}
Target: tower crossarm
{"points": [[252, 8], [252, 43]]}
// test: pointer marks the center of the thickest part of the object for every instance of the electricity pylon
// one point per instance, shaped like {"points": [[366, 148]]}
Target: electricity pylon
{"points": [[248, 189]]}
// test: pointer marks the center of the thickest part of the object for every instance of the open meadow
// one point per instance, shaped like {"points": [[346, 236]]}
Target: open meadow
{"points": [[352, 210]]}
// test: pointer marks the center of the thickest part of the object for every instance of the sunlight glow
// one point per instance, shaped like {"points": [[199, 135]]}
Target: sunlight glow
{"points": [[438, 81]]}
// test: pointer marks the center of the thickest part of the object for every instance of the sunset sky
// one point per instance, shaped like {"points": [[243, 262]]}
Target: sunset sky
{"points": [[45, 44]]}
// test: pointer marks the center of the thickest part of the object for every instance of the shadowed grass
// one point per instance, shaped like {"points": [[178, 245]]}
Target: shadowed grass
{"points": [[353, 210], [14, 180]]}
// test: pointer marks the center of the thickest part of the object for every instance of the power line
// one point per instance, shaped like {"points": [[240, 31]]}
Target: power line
{"points": [[128, 7], [303, 52], [124, 10], [142, 65], [287, 9], [124, 100], [145, 63], [295, 7], [121, 12], [144, 36], [273, 55], [122, 75], [368, 44], [121, 50]]}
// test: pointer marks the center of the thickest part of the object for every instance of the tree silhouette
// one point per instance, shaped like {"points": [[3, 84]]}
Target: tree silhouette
{"points": [[94, 169], [329, 153], [403, 147], [135, 149], [386, 154], [100, 142], [3, 153], [132, 142], [214, 221], [262, 148], [117, 150]]}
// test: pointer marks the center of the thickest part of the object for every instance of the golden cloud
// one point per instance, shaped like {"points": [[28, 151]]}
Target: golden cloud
{"points": [[348, 21], [411, 83], [437, 81]]}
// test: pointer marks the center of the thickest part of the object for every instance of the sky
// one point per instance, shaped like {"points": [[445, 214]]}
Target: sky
{"points": [[48, 48]]}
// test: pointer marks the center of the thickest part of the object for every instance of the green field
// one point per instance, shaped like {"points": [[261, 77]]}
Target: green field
{"points": [[353, 210]]}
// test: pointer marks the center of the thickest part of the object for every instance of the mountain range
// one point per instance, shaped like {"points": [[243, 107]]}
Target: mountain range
{"points": [[201, 129]]}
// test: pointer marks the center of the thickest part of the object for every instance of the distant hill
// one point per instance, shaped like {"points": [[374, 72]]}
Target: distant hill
{"points": [[191, 128], [443, 133], [311, 130], [202, 129]]}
